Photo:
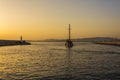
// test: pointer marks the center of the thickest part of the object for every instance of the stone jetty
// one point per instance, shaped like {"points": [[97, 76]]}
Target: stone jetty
{"points": [[13, 42]]}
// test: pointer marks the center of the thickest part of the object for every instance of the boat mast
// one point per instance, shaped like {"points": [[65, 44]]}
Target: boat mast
{"points": [[69, 43], [69, 32]]}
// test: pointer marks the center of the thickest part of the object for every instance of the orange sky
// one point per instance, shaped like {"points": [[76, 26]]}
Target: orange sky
{"points": [[49, 19]]}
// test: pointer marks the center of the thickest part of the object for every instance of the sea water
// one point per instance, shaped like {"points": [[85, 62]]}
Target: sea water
{"points": [[53, 61]]}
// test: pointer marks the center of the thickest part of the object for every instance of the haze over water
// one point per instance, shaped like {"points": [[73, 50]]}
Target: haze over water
{"points": [[52, 61]]}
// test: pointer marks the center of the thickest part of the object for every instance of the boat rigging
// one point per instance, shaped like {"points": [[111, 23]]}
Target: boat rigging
{"points": [[69, 43]]}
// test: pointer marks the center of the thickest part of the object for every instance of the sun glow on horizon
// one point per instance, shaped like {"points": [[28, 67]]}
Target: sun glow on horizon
{"points": [[45, 19]]}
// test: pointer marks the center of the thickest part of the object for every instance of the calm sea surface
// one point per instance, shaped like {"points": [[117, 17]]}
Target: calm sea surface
{"points": [[52, 61]]}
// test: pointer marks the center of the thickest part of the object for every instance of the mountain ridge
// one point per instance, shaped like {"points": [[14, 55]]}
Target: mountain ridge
{"points": [[92, 39]]}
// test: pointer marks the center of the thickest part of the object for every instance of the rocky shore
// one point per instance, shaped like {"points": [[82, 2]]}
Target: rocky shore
{"points": [[13, 42]]}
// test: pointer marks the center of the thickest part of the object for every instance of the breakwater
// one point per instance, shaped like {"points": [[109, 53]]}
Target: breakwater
{"points": [[13, 42]]}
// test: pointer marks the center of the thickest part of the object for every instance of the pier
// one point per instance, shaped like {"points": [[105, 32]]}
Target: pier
{"points": [[13, 42]]}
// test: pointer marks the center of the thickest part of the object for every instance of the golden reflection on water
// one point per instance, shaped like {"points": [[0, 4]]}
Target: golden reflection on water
{"points": [[68, 62], [52, 59]]}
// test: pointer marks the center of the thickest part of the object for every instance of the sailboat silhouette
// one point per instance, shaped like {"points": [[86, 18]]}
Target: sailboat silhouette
{"points": [[69, 43]]}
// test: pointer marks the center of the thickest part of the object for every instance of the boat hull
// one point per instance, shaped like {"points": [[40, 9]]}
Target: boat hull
{"points": [[69, 44]]}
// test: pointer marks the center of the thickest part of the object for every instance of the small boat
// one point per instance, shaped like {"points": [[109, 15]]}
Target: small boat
{"points": [[69, 43]]}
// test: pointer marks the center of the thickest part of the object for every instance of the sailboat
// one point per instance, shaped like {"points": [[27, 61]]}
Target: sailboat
{"points": [[69, 43]]}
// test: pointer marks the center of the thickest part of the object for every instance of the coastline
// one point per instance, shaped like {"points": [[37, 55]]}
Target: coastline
{"points": [[117, 43], [13, 42]]}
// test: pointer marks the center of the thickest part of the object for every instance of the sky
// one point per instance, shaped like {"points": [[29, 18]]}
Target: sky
{"points": [[49, 19]]}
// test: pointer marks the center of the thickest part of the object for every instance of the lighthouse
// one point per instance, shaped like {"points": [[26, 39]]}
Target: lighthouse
{"points": [[21, 39]]}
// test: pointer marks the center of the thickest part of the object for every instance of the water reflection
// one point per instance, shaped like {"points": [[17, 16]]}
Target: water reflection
{"points": [[68, 62], [52, 61]]}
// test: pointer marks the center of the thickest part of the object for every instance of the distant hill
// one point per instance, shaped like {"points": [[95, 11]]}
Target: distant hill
{"points": [[97, 39], [94, 39]]}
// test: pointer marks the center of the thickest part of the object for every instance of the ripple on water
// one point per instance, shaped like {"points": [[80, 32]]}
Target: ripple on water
{"points": [[52, 61]]}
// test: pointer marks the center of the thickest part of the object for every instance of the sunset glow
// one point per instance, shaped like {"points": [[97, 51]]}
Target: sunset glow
{"points": [[49, 19]]}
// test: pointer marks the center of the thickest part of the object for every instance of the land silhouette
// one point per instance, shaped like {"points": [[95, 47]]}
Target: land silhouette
{"points": [[13, 42], [96, 40], [92, 39]]}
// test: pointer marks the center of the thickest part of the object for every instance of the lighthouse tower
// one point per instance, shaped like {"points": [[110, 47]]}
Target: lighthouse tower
{"points": [[21, 39]]}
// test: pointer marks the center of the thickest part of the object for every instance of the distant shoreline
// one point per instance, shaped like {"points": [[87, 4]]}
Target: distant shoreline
{"points": [[13, 42], [92, 39], [109, 43]]}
